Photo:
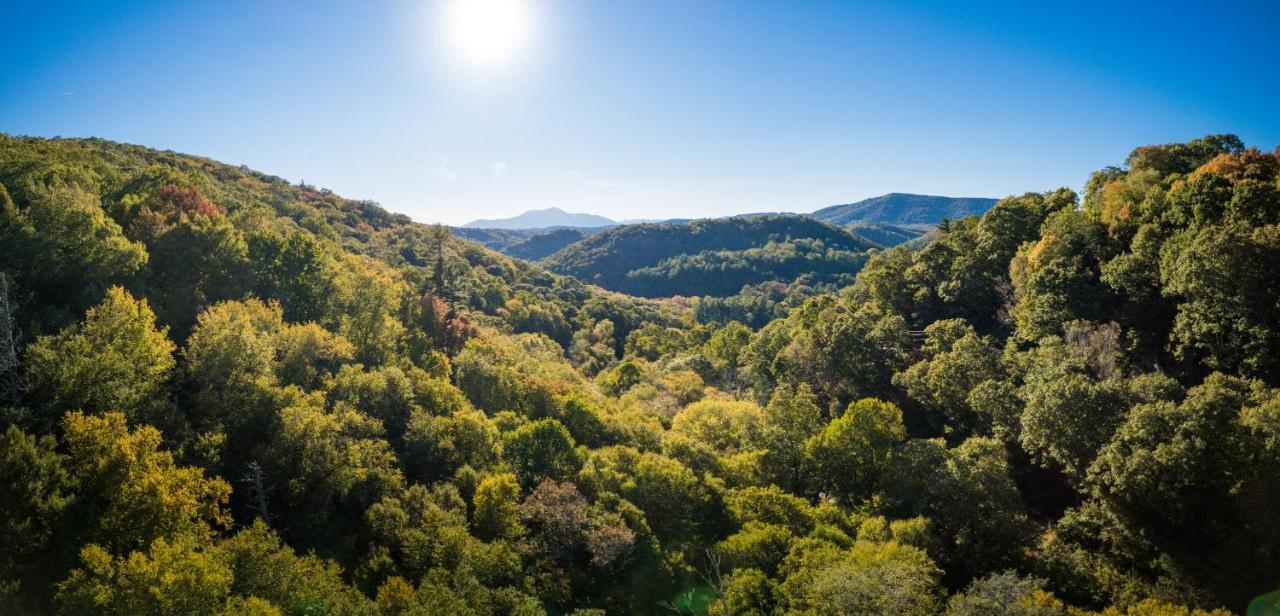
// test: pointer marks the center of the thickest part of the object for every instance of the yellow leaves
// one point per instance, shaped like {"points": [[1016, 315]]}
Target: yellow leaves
{"points": [[143, 494], [115, 359], [170, 578], [1043, 251]]}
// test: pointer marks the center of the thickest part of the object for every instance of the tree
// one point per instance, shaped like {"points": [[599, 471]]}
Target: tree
{"points": [[790, 419], [167, 579], [1005, 593], [115, 359], [757, 546], [724, 348], [231, 368], [130, 492], [198, 262], [540, 450], [956, 361], [308, 354], [296, 270], [12, 381], [435, 446], [497, 508], [727, 427], [771, 505], [1227, 319], [850, 455], [868, 578], [332, 466], [37, 490], [1191, 477], [62, 247]]}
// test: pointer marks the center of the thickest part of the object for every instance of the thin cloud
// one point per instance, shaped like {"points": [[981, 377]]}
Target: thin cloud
{"points": [[443, 171]]}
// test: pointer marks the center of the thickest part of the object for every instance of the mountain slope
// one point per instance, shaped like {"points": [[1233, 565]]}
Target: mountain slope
{"points": [[886, 235], [904, 209], [527, 244], [711, 257], [542, 219]]}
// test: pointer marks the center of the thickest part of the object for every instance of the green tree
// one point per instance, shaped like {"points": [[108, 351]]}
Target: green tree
{"points": [[540, 450], [131, 492], [194, 264], [956, 360], [497, 508], [850, 455], [60, 246], [115, 359], [790, 419]]}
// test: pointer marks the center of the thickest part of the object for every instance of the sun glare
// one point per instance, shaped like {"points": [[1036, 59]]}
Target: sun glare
{"points": [[487, 32]]}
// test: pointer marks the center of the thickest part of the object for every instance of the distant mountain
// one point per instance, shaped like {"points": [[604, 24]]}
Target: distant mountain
{"points": [[904, 209], [713, 256], [542, 219]]}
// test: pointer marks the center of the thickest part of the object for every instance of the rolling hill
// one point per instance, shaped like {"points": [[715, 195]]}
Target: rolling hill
{"points": [[712, 257], [904, 209]]}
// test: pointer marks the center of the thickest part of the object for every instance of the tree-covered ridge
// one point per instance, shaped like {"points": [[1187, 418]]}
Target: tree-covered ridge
{"points": [[712, 256], [527, 244], [903, 209], [226, 394]]}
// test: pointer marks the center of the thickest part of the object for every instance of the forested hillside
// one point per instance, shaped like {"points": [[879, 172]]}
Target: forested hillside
{"points": [[714, 257], [223, 393], [903, 209], [522, 243]]}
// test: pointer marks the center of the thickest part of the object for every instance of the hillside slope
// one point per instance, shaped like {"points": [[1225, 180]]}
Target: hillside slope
{"points": [[711, 257], [229, 394], [527, 244], [904, 209]]}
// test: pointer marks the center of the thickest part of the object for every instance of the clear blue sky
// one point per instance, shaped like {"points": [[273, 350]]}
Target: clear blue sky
{"points": [[648, 109]]}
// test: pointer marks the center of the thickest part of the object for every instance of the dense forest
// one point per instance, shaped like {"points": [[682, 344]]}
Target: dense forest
{"points": [[715, 256], [903, 209], [530, 245], [224, 393]]}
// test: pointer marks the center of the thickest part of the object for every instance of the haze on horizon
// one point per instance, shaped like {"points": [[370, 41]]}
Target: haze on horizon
{"points": [[447, 112]]}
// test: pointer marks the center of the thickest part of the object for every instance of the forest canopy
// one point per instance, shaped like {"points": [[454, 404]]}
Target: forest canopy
{"points": [[225, 393]]}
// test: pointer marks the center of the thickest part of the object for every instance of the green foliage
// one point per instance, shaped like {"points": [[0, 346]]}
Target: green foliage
{"points": [[790, 419], [540, 450], [497, 508], [711, 257], [115, 359], [1051, 408], [63, 249], [852, 453], [130, 492]]}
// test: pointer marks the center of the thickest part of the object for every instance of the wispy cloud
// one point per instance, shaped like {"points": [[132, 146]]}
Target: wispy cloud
{"points": [[497, 170], [577, 176], [443, 171]]}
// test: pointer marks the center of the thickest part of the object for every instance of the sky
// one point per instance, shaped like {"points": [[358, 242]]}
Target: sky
{"points": [[653, 109]]}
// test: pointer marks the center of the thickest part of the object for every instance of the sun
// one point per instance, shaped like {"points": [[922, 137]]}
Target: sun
{"points": [[487, 32]]}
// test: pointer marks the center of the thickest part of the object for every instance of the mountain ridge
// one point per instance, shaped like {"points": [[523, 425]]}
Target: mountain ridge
{"points": [[904, 209], [546, 218]]}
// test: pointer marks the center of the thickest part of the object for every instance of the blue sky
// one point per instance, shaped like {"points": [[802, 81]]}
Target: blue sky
{"points": [[650, 109]]}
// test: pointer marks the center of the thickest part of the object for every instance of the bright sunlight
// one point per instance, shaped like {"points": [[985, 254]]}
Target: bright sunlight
{"points": [[487, 32]]}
